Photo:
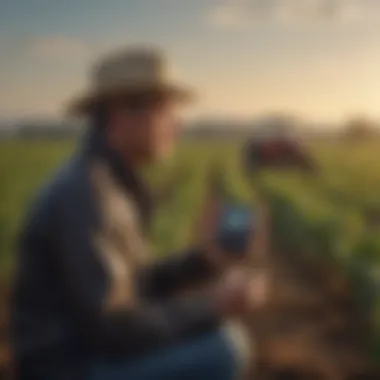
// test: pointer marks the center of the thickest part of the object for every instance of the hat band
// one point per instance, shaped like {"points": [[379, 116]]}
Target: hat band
{"points": [[128, 85]]}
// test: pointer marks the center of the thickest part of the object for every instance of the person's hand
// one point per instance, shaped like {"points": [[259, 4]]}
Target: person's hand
{"points": [[206, 231], [259, 290], [206, 225], [240, 293], [232, 295]]}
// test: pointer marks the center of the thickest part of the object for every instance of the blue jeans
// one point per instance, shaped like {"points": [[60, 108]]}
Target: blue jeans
{"points": [[206, 358]]}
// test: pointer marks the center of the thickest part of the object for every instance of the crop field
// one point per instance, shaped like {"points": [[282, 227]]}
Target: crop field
{"points": [[343, 202], [335, 215]]}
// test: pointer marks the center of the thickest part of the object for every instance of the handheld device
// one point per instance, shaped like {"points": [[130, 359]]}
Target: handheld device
{"points": [[236, 228]]}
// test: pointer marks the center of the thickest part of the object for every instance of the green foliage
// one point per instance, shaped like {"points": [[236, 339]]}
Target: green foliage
{"points": [[326, 215]]}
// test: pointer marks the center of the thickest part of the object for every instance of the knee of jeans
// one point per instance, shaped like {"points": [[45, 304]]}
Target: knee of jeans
{"points": [[240, 345]]}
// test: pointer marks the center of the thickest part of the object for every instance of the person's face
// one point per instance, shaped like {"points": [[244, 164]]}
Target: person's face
{"points": [[145, 128]]}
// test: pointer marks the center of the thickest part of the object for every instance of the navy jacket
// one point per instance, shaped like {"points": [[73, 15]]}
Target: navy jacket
{"points": [[85, 285]]}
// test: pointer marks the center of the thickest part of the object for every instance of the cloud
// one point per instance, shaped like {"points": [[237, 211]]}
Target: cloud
{"points": [[53, 66], [63, 48], [58, 47], [243, 12]]}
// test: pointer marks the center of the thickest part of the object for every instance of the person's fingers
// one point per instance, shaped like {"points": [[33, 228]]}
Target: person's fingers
{"points": [[236, 277], [258, 290]]}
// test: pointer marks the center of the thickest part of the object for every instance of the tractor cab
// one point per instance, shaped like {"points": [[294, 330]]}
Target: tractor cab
{"points": [[276, 147]]}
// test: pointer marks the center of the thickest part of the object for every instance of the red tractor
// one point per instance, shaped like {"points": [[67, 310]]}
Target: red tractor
{"points": [[277, 152]]}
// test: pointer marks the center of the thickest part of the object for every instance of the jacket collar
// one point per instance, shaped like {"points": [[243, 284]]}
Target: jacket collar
{"points": [[96, 146]]}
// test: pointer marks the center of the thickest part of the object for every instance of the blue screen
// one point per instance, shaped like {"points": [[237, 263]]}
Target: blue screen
{"points": [[236, 226]]}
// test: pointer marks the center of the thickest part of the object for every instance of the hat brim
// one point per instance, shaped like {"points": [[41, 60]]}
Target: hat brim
{"points": [[83, 105]]}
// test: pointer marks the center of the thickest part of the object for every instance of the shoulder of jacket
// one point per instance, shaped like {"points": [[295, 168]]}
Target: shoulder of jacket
{"points": [[69, 185]]}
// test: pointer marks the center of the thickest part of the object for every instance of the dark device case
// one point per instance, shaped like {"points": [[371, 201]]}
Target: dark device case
{"points": [[236, 228]]}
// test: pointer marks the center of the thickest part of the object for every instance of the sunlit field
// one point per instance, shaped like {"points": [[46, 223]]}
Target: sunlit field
{"points": [[346, 193], [336, 214]]}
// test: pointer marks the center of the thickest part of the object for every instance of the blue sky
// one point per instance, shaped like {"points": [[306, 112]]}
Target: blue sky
{"points": [[317, 58]]}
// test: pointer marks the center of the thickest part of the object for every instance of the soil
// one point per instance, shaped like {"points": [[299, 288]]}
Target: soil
{"points": [[310, 329]]}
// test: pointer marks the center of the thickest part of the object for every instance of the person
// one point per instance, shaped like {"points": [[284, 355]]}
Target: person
{"points": [[89, 302]]}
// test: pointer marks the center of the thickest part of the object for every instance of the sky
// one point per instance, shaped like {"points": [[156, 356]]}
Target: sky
{"points": [[319, 59]]}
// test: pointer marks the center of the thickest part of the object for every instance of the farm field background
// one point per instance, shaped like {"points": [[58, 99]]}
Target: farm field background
{"points": [[349, 185], [336, 214]]}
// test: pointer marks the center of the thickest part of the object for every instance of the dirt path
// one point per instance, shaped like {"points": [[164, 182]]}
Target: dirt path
{"points": [[311, 329]]}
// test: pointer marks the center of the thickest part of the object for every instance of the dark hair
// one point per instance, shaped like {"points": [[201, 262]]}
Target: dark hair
{"points": [[99, 117]]}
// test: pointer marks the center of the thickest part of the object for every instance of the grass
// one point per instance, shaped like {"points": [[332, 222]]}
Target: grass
{"points": [[327, 215], [349, 184]]}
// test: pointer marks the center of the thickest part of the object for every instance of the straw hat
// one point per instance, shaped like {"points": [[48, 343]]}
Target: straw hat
{"points": [[127, 72]]}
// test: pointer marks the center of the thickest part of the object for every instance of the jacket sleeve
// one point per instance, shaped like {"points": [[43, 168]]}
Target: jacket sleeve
{"points": [[127, 331], [171, 275]]}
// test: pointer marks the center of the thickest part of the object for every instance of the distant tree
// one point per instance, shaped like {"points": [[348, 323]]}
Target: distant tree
{"points": [[360, 128]]}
